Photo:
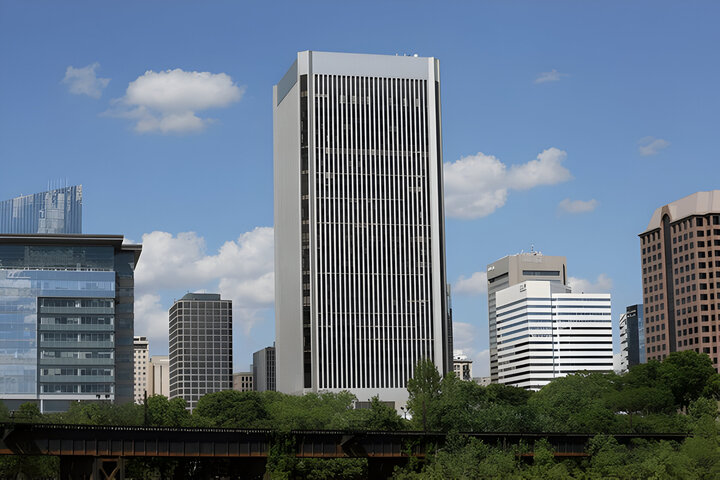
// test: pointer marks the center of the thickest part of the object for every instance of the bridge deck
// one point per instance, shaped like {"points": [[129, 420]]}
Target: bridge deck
{"points": [[121, 441]]}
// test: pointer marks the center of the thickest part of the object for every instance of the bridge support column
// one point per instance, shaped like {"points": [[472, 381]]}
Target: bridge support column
{"points": [[92, 468], [379, 467]]}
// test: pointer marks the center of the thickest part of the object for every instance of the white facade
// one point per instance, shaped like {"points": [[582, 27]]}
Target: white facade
{"points": [[141, 368], [359, 224], [514, 269], [462, 366], [624, 347], [545, 332]]}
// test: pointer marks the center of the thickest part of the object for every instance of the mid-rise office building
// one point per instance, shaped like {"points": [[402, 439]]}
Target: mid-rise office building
{"points": [[359, 224], [201, 358], [545, 332], [141, 361], [57, 211], [462, 366], [512, 270], [681, 277], [632, 337], [159, 376], [243, 381], [264, 370], [66, 319]]}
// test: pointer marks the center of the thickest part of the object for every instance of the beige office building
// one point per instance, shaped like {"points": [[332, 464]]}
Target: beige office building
{"points": [[243, 381], [514, 269], [159, 375], [140, 355]]}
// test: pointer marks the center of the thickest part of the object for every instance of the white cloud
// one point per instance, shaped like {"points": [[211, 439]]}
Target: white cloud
{"points": [[578, 206], [551, 76], [651, 146], [477, 185], [151, 320], [465, 339], [84, 81], [475, 285], [241, 271], [168, 102], [602, 284]]}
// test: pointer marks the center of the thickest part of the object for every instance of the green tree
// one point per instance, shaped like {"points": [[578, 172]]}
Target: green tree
{"points": [[577, 403], [640, 400], [28, 412], [167, 413], [424, 395], [381, 417], [231, 408], [608, 457], [103, 413], [508, 395], [686, 374]]}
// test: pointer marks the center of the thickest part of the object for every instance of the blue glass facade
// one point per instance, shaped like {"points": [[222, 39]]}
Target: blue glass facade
{"points": [[56, 211], [636, 335], [66, 314]]}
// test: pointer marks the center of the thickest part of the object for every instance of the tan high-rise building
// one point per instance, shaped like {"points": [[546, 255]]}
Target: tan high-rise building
{"points": [[681, 277], [511, 270]]}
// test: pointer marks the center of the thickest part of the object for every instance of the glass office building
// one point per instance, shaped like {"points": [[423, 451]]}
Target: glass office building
{"points": [[56, 211], [66, 319], [201, 357]]}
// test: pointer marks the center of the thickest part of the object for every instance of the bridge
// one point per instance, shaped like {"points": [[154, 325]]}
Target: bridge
{"points": [[98, 452]]}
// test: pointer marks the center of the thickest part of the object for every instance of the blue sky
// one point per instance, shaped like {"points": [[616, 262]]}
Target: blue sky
{"points": [[565, 124]]}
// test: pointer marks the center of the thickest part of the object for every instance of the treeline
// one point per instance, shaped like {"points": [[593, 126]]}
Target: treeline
{"points": [[678, 395]]}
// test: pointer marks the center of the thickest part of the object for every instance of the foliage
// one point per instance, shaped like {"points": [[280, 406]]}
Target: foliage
{"points": [[231, 408], [102, 413], [575, 403], [424, 396], [15, 466], [162, 412], [28, 412], [686, 374], [380, 417]]}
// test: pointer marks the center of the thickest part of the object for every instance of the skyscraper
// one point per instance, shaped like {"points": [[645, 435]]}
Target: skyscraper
{"points": [[359, 224], [56, 211], [681, 277], [200, 346], [264, 370], [511, 270], [545, 332], [66, 319], [632, 337]]}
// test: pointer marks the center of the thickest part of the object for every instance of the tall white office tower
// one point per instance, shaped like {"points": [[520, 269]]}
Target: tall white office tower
{"points": [[511, 270], [359, 224], [544, 332]]}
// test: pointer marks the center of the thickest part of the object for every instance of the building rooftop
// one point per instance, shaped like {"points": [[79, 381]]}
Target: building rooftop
{"points": [[699, 203], [201, 296], [71, 239]]}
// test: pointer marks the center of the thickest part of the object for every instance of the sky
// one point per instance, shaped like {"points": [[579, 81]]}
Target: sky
{"points": [[565, 125]]}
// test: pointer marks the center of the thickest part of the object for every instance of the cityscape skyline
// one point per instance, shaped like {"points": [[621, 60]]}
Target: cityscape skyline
{"points": [[565, 149]]}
